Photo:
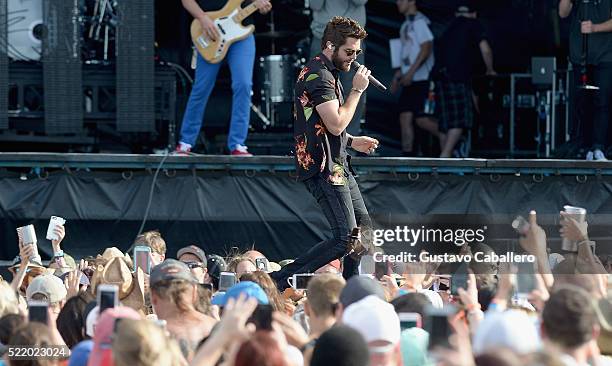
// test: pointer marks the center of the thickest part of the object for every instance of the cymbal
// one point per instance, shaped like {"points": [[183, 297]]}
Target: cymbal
{"points": [[279, 34]]}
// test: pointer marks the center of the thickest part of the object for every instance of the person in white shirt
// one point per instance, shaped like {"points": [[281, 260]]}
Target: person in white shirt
{"points": [[417, 60]]}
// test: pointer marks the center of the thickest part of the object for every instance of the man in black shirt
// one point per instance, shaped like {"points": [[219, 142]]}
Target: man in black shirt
{"points": [[594, 19], [240, 58], [321, 118], [462, 40]]}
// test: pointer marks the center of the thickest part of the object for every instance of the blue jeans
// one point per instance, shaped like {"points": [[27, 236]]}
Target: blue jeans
{"points": [[241, 58], [344, 209]]}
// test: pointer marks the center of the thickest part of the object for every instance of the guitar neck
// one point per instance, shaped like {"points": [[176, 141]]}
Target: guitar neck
{"points": [[244, 13]]}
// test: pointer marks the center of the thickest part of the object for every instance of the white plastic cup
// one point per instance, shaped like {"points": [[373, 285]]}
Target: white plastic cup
{"points": [[53, 223], [578, 214], [28, 236]]}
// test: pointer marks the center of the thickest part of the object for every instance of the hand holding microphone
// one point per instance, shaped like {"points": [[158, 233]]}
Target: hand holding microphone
{"points": [[369, 77], [360, 80]]}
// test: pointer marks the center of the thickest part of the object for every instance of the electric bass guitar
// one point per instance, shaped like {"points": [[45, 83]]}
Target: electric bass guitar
{"points": [[228, 22]]}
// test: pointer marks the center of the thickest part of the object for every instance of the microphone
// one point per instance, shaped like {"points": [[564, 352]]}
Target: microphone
{"points": [[372, 79]]}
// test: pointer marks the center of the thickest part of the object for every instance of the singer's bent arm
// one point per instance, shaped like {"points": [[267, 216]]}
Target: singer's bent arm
{"points": [[336, 117]]}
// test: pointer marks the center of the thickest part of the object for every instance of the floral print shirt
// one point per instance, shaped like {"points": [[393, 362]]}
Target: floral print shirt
{"points": [[316, 150]]}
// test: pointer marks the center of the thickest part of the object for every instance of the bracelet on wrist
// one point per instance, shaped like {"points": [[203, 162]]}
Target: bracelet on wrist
{"points": [[357, 90], [349, 141]]}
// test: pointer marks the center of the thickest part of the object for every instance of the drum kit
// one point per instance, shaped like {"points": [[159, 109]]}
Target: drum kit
{"points": [[275, 79], [274, 86]]}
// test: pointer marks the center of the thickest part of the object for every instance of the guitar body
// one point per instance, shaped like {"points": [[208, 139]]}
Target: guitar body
{"points": [[229, 30]]}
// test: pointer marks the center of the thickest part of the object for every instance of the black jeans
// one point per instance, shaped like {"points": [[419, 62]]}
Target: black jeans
{"points": [[344, 209], [603, 97]]}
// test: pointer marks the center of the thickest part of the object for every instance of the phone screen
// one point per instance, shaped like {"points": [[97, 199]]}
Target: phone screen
{"points": [[458, 280], [107, 300], [439, 330], [409, 320], [262, 317], [525, 278], [226, 280], [38, 313], [301, 281], [407, 324], [142, 258], [437, 325]]}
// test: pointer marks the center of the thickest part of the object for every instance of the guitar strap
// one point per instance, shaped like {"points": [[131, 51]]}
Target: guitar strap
{"points": [[194, 58]]}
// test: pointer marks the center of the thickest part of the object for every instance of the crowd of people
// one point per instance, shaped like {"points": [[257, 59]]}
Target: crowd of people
{"points": [[180, 313]]}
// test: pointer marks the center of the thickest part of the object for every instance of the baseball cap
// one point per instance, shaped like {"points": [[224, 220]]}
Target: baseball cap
{"points": [[512, 329], [374, 318], [251, 289], [358, 287], [79, 355], [49, 285], [171, 269], [192, 249], [216, 265]]}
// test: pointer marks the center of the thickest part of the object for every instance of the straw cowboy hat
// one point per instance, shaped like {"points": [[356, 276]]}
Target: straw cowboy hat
{"points": [[110, 253], [116, 271]]}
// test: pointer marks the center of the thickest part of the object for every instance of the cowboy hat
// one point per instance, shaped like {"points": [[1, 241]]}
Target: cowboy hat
{"points": [[116, 271], [110, 253]]}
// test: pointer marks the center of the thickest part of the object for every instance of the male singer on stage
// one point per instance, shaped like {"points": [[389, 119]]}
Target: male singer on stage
{"points": [[322, 163]]}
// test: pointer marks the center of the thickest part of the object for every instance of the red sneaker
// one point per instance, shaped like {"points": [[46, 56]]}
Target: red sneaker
{"points": [[182, 151], [240, 150]]}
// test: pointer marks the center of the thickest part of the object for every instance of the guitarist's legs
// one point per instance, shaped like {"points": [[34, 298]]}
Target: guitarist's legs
{"points": [[205, 76], [241, 58]]}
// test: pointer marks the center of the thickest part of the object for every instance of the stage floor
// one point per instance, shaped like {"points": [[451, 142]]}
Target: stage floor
{"points": [[363, 165]]}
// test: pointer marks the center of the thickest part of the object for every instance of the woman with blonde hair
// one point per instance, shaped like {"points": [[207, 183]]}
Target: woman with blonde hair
{"points": [[143, 343]]}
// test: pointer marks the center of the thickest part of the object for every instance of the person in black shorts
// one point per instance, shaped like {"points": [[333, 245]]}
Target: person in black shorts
{"points": [[459, 44]]}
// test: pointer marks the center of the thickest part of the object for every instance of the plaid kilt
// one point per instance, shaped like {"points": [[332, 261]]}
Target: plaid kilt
{"points": [[455, 100]]}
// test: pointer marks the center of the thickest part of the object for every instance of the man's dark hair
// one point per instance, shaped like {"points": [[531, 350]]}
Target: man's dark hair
{"points": [[70, 321], [339, 29], [8, 324], [340, 345], [413, 302], [569, 317]]}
